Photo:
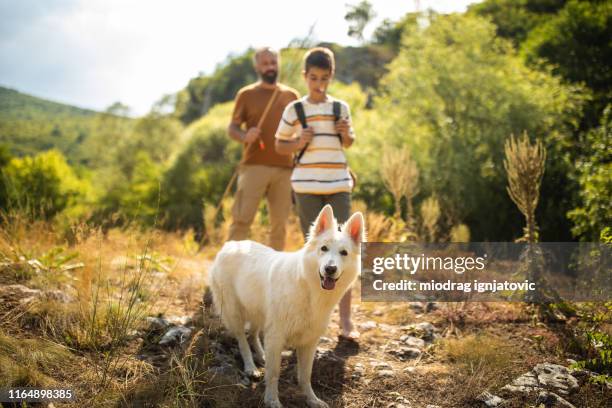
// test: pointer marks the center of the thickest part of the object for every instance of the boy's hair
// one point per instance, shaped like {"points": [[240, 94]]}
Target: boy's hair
{"points": [[320, 57]]}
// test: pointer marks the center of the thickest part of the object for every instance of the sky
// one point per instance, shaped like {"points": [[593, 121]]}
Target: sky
{"points": [[92, 53]]}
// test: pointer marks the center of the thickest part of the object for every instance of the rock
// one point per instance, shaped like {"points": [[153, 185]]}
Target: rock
{"points": [[416, 306], [412, 341], [289, 353], [224, 369], [358, 371], [175, 335], [385, 373], [545, 376], [157, 323], [525, 383], [405, 352], [424, 330], [18, 294], [327, 355], [557, 377], [180, 320], [432, 406], [381, 365], [400, 401], [552, 400], [489, 399], [386, 328], [369, 325], [431, 306], [325, 340], [378, 312]]}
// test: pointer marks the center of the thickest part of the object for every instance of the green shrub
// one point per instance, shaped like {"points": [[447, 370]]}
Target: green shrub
{"points": [[43, 185]]}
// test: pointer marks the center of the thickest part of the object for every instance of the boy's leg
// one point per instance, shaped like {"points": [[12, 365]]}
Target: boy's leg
{"points": [[308, 206], [279, 205], [252, 183], [341, 203]]}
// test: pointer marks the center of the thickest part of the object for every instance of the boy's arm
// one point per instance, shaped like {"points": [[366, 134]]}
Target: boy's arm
{"points": [[345, 128], [286, 140], [289, 146]]}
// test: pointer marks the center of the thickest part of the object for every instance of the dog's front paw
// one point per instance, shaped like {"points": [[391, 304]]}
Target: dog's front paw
{"points": [[316, 403], [273, 403], [253, 373]]}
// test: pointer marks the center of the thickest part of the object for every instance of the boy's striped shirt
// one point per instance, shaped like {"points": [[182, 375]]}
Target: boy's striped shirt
{"points": [[322, 169]]}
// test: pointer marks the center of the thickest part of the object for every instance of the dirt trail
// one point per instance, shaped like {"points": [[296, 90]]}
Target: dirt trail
{"points": [[399, 360], [420, 355]]}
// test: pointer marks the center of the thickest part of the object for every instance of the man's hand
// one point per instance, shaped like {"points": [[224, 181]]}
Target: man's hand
{"points": [[305, 137], [251, 135]]}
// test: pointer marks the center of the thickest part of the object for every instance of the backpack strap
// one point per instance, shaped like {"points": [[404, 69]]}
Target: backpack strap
{"points": [[336, 110], [299, 110]]}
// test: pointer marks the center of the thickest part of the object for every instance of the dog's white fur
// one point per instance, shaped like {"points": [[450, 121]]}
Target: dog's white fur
{"points": [[283, 295]]}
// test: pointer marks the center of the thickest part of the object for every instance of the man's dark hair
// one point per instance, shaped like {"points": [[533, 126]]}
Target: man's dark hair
{"points": [[319, 57]]}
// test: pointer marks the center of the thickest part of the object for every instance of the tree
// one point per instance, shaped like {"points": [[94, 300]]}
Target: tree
{"points": [[199, 173], [514, 19], [454, 94], [594, 212], [204, 91], [577, 42], [358, 16], [42, 185]]}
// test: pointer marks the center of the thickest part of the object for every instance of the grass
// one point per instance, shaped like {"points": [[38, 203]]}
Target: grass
{"points": [[480, 362], [97, 340]]}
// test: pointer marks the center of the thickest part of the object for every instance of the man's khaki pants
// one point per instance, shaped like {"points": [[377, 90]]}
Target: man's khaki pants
{"points": [[255, 181]]}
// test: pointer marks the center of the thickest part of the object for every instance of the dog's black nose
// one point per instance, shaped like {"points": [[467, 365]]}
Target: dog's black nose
{"points": [[331, 269]]}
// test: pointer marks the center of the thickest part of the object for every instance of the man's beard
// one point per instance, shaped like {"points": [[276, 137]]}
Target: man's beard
{"points": [[269, 77]]}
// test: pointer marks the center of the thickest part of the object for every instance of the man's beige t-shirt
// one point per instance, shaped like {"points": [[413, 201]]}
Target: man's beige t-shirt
{"points": [[250, 104]]}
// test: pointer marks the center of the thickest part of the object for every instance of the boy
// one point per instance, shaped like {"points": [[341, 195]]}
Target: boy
{"points": [[320, 175]]}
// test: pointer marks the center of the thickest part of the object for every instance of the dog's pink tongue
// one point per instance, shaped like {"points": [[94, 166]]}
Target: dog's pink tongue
{"points": [[329, 283]]}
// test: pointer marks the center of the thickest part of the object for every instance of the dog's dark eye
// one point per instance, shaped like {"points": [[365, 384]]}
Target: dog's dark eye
{"points": [[343, 252], [324, 248]]}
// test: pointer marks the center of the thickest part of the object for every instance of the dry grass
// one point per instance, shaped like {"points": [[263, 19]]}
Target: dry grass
{"points": [[98, 342], [524, 164], [31, 362], [430, 215], [480, 363]]}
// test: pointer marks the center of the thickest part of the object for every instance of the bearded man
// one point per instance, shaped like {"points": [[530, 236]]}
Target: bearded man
{"points": [[263, 171]]}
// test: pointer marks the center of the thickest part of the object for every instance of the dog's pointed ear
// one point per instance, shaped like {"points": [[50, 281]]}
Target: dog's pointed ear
{"points": [[355, 228], [324, 221]]}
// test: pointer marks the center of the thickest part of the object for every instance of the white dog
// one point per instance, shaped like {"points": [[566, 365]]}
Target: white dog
{"points": [[288, 295]]}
